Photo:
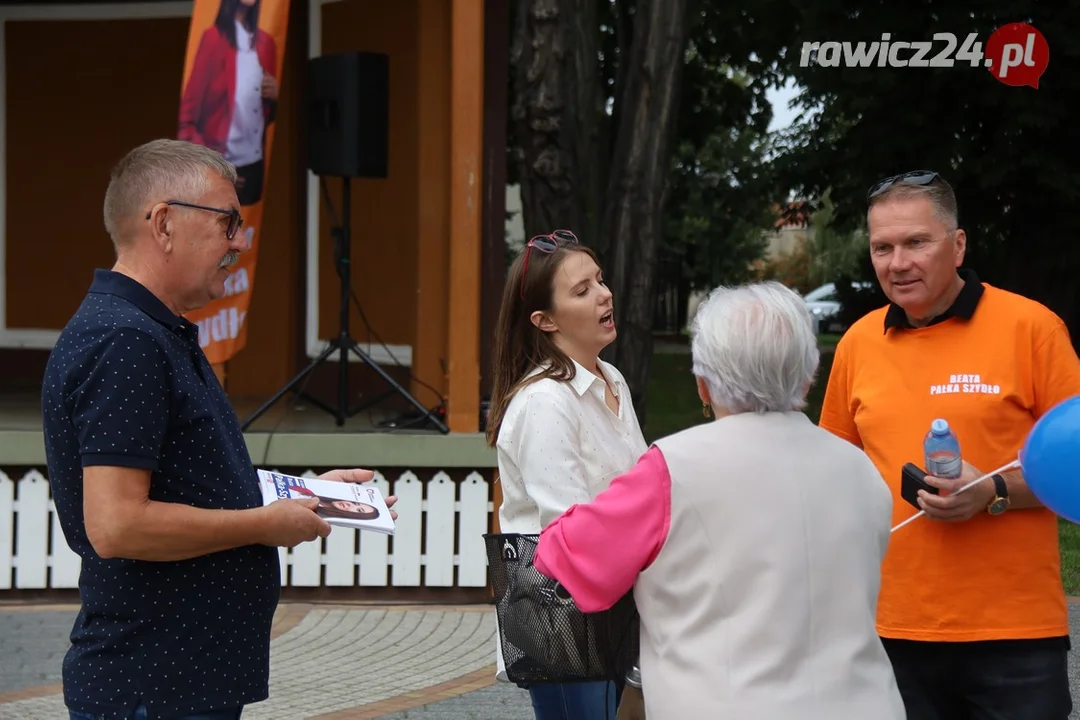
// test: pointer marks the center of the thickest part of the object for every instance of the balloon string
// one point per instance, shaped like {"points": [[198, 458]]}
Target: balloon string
{"points": [[1004, 468]]}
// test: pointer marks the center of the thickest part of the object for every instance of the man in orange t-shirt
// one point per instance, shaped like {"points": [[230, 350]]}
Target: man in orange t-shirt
{"points": [[972, 610]]}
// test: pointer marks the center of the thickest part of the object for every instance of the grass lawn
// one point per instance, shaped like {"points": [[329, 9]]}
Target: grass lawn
{"points": [[673, 405]]}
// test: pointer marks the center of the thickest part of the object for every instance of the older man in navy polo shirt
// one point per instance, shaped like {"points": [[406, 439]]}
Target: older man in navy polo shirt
{"points": [[152, 480]]}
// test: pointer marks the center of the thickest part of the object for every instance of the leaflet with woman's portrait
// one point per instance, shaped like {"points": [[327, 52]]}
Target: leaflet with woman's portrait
{"points": [[345, 504]]}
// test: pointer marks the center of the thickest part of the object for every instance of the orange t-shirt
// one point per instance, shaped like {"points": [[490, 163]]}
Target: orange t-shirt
{"points": [[991, 377]]}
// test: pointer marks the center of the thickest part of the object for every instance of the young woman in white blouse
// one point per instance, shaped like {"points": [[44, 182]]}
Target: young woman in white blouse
{"points": [[561, 419]]}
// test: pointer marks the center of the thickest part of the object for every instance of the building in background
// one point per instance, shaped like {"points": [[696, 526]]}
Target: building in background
{"points": [[428, 258]]}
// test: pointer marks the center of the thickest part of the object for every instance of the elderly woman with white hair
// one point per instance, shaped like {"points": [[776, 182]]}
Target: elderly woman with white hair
{"points": [[753, 543]]}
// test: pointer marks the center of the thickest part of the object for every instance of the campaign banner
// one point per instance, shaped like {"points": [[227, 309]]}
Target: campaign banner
{"points": [[228, 102]]}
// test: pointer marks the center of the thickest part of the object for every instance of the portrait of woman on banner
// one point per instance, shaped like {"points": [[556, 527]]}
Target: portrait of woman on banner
{"points": [[231, 95]]}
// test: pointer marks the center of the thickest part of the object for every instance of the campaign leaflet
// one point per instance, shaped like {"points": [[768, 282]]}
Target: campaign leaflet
{"points": [[344, 504]]}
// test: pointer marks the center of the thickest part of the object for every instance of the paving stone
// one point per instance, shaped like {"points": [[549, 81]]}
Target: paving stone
{"points": [[501, 701], [365, 656], [32, 647]]}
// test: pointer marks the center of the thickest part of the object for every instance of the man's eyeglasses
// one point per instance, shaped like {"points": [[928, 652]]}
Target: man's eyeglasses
{"points": [[235, 221], [546, 244], [915, 177]]}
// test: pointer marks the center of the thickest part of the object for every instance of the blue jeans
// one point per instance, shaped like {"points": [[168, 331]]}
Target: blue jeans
{"points": [[140, 714], [574, 701], [983, 680]]}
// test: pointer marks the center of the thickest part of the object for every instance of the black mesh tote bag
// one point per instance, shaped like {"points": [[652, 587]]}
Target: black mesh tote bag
{"points": [[544, 637]]}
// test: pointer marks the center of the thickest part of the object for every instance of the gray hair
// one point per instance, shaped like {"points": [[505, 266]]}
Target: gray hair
{"points": [[158, 171], [754, 347], [939, 193]]}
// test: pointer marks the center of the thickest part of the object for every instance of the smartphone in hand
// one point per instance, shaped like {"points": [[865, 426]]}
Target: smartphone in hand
{"points": [[913, 479]]}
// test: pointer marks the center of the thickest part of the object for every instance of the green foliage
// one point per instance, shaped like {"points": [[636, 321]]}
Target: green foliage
{"points": [[791, 269], [833, 253], [717, 211], [1003, 148], [722, 190], [672, 396], [722, 193], [674, 404], [1070, 555]]}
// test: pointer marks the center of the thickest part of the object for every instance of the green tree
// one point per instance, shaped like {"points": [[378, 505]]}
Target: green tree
{"points": [[1007, 151], [718, 213], [642, 123], [595, 99], [722, 197], [833, 253]]}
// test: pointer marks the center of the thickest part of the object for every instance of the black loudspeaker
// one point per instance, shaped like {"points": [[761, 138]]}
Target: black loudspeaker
{"points": [[349, 114]]}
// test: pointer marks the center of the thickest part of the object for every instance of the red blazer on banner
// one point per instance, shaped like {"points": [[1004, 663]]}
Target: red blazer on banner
{"points": [[207, 103], [218, 79]]}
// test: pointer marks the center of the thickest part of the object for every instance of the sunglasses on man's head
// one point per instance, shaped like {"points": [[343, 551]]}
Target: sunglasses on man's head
{"points": [[235, 220], [546, 244], [915, 177]]}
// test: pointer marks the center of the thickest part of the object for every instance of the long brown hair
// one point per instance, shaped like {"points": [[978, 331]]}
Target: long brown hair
{"points": [[520, 346], [226, 19]]}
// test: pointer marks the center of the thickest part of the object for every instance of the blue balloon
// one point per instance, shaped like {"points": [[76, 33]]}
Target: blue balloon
{"points": [[1050, 459]]}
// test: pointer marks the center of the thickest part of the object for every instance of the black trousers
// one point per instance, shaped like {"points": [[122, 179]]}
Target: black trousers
{"points": [[991, 680]]}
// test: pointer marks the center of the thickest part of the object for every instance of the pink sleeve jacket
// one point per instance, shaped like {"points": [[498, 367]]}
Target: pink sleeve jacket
{"points": [[597, 549]]}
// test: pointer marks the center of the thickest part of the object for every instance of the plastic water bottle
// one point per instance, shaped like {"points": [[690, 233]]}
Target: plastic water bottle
{"points": [[942, 450]]}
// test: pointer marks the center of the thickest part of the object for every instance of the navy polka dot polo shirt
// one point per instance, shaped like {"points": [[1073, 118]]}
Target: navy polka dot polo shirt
{"points": [[128, 385]]}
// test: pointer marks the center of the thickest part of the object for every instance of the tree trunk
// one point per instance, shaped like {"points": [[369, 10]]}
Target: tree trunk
{"points": [[639, 172], [556, 102]]}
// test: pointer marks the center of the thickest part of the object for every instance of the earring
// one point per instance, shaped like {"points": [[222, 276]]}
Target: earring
{"points": [[706, 410]]}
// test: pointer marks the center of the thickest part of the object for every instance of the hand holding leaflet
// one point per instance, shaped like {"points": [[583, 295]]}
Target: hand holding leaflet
{"points": [[344, 504]]}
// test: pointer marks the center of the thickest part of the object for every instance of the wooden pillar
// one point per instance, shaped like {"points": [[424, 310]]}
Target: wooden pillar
{"points": [[466, 177], [433, 198], [496, 106], [496, 109]]}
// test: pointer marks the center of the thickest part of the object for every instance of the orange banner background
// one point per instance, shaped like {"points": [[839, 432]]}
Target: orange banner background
{"points": [[222, 323]]}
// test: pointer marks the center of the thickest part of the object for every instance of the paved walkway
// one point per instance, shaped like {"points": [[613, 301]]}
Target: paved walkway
{"points": [[383, 663]]}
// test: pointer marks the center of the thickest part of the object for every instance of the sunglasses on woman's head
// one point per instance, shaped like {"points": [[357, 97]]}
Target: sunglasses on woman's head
{"points": [[547, 244]]}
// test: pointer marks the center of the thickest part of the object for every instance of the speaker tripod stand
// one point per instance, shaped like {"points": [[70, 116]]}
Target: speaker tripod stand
{"points": [[344, 343]]}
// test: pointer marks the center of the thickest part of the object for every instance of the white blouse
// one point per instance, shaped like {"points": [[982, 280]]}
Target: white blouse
{"points": [[244, 144], [560, 444]]}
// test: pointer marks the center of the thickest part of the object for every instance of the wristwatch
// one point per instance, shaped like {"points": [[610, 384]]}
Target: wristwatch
{"points": [[1000, 503], [633, 678]]}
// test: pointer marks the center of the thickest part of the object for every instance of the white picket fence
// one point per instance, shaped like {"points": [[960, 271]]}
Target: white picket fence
{"points": [[438, 541]]}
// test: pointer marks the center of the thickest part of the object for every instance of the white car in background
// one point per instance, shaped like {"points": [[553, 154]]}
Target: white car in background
{"points": [[824, 306]]}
